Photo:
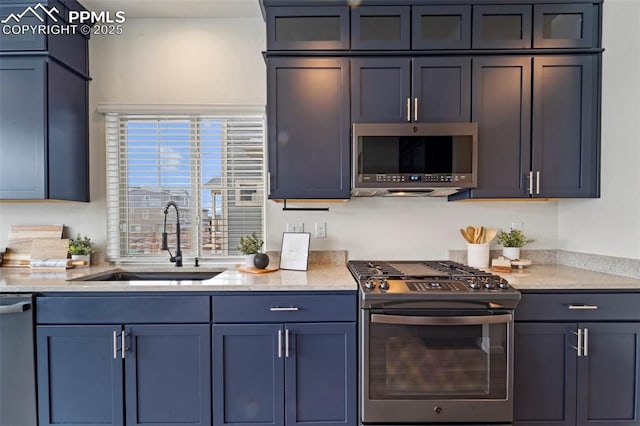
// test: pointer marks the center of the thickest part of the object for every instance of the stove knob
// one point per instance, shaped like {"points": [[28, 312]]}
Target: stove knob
{"points": [[504, 284], [384, 284], [370, 284], [489, 285], [474, 285]]}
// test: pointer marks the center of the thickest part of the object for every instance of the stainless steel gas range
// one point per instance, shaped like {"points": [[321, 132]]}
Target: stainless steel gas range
{"points": [[436, 343]]}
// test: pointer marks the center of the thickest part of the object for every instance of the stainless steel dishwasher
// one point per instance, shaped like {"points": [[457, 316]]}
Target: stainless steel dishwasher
{"points": [[17, 361]]}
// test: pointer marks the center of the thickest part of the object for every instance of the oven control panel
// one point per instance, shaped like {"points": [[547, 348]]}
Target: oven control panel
{"points": [[466, 284]]}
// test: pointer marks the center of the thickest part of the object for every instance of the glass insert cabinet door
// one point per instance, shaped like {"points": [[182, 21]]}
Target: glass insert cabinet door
{"points": [[410, 361], [502, 27], [563, 26], [309, 28], [441, 27], [380, 28]]}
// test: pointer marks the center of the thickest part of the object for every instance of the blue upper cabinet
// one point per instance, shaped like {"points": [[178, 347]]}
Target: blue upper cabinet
{"points": [[308, 121], [381, 28], [441, 27], [564, 26], [502, 27], [425, 89], [309, 28]]}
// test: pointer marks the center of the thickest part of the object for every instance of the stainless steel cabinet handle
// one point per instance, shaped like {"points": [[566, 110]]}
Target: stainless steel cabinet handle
{"points": [[538, 182], [530, 183], [461, 320], [124, 348], [585, 348], [279, 343], [268, 183], [286, 343], [15, 308], [115, 344], [415, 109], [284, 309], [408, 110], [579, 347], [583, 307]]}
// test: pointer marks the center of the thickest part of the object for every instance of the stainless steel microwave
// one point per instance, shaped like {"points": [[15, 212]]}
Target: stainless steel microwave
{"points": [[414, 159]]}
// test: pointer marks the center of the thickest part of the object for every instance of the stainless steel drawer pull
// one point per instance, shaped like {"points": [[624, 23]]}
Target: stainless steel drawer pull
{"points": [[579, 347], [115, 344], [583, 307], [420, 320], [408, 110], [530, 183], [538, 182], [124, 349], [279, 343], [415, 109], [283, 309]]}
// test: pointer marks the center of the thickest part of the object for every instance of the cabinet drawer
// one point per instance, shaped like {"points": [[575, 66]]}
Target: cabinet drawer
{"points": [[284, 308], [122, 309], [579, 307]]}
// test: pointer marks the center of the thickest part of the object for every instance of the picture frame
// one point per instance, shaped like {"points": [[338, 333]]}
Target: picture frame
{"points": [[294, 254]]}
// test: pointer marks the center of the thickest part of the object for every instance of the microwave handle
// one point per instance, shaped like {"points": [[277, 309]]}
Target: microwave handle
{"points": [[458, 320]]}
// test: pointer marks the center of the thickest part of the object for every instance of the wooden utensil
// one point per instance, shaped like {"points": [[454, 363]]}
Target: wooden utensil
{"points": [[490, 234], [479, 235], [471, 232], [465, 235]]}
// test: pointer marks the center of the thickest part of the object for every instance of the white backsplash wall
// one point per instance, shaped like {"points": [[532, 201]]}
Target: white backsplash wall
{"points": [[611, 225], [409, 228]]}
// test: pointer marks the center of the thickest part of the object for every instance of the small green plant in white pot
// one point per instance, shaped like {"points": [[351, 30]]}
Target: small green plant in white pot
{"points": [[512, 241], [250, 245], [80, 249]]}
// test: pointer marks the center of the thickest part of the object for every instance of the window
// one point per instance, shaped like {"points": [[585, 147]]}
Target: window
{"points": [[212, 166]]}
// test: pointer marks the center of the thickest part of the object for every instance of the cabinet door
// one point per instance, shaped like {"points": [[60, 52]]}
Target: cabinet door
{"points": [[608, 375], [441, 27], [563, 25], [544, 374], [443, 89], [502, 27], [320, 364], [248, 375], [309, 126], [79, 375], [565, 144], [502, 108], [68, 139], [22, 128], [380, 90], [28, 40], [380, 27], [168, 374], [307, 28]]}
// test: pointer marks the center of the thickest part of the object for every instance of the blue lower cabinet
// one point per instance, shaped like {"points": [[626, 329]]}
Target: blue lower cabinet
{"points": [[163, 376], [320, 374], [167, 375], [291, 373], [80, 376]]}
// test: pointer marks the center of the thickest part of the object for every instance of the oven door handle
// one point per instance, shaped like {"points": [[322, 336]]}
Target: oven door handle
{"points": [[459, 320]]}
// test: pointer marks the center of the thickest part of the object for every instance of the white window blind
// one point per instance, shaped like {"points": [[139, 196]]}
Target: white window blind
{"points": [[212, 166]]}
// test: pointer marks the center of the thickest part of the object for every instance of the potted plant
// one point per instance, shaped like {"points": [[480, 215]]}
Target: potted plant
{"points": [[80, 248], [250, 245], [511, 243]]}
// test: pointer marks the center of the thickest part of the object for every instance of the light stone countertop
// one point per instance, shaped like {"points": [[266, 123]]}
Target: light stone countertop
{"points": [[560, 277], [317, 278]]}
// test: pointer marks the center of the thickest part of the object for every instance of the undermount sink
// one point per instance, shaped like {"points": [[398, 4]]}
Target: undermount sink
{"points": [[151, 276]]}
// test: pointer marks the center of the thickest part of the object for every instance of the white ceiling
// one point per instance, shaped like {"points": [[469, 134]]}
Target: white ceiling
{"points": [[178, 8]]}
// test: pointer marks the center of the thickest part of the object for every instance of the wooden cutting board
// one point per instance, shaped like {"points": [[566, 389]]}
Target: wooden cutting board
{"points": [[253, 270], [18, 253], [35, 231], [49, 248]]}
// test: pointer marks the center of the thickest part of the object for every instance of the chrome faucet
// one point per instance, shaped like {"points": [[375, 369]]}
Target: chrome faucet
{"points": [[177, 259]]}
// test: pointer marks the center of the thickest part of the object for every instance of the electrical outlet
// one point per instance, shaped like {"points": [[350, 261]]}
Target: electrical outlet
{"points": [[295, 227], [321, 229]]}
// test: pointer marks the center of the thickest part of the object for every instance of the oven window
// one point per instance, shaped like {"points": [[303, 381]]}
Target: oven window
{"points": [[435, 362]]}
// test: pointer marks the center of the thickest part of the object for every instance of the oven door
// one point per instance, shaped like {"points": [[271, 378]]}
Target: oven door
{"points": [[442, 366]]}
